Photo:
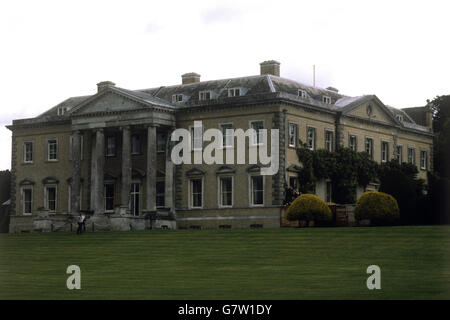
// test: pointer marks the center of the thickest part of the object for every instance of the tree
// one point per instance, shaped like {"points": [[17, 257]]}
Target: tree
{"points": [[441, 126], [400, 181]]}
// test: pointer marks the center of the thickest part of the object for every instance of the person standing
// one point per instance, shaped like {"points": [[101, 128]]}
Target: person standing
{"points": [[80, 221]]}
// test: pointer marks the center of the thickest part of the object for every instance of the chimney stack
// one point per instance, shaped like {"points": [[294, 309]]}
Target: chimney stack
{"points": [[270, 67], [104, 84], [190, 77]]}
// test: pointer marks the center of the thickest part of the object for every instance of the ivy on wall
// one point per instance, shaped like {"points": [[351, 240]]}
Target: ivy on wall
{"points": [[344, 167]]}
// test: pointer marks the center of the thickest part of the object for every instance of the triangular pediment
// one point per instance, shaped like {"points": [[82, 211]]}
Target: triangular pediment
{"points": [[372, 109], [110, 100], [195, 172]]}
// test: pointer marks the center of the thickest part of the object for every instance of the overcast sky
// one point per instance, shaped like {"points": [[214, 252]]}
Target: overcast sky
{"points": [[52, 50]]}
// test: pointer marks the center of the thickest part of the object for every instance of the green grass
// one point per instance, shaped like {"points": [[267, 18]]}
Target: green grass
{"points": [[311, 263]]}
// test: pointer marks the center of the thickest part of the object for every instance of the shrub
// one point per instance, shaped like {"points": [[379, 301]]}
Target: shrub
{"points": [[380, 208], [309, 207]]}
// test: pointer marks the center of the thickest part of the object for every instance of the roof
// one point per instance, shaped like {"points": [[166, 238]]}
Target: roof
{"points": [[251, 88]]}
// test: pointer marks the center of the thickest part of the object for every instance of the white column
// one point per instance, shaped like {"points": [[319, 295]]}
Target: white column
{"points": [[76, 175], [99, 174], [151, 169]]}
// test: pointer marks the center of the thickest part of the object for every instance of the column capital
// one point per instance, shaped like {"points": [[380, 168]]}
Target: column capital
{"points": [[98, 130], [151, 125], [125, 127]]}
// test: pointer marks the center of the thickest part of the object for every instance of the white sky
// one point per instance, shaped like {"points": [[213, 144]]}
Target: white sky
{"points": [[52, 50]]}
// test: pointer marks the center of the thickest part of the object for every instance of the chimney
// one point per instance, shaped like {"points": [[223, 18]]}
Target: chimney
{"points": [[270, 67], [104, 84], [190, 77]]}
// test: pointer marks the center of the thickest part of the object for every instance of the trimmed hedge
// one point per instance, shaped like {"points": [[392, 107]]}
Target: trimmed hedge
{"points": [[309, 207], [379, 207]]}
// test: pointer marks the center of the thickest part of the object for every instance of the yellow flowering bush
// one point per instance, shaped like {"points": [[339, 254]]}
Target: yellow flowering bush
{"points": [[309, 207], [379, 207]]}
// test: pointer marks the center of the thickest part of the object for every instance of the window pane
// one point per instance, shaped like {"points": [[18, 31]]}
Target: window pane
{"points": [[161, 142], [196, 186], [135, 144], [258, 191], [226, 191], [109, 197], [27, 200], [51, 198], [160, 192]]}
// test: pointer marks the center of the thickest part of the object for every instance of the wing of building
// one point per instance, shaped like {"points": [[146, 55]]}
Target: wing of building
{"points": [[108, 154]]}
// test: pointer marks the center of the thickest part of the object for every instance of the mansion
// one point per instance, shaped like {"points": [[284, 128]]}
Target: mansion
{"points": [[109, 153]]}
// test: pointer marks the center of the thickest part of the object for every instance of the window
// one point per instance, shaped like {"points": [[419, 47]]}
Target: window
{"points": [[161, 142], [109, 196], [411, 155], [234, 92], [52, 149], [28, 152], [134, 198], [326, 99], [197, 138], [196, 188], [369, 147], [329, 140], [61, 110], [177, 98], [423, 159], [257, 190], [160, 194], [302, 93], [110, 146], [352, 143], [292, 134], [205, 95], [27, 200], [50, 198], [311, 138], [228, 137], [399, 117], [384, 151], [293, 183], [135, 144], [399, 154], [226, 191], [329, 187], [257, 138]]}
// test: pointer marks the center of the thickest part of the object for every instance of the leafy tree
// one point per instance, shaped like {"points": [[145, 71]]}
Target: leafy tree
{"points": [[400, 181]]}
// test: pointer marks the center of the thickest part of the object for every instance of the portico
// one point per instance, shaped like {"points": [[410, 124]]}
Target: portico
{"points": [[125, 132]]}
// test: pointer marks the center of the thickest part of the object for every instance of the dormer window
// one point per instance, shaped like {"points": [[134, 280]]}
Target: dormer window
{"points": [[177, 98], [234, 92], [61, 110], [326, 99], [204, 95], [399, 117], [302, 93]]}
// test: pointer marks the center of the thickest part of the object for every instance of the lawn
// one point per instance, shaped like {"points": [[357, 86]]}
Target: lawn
{"points": [[309, 263]]}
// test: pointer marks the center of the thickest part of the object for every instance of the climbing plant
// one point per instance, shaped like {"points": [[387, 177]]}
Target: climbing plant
{"points": [[344, 167]]}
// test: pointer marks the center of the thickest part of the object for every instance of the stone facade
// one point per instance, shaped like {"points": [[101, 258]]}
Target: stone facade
{"points": [[109, 153]]}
